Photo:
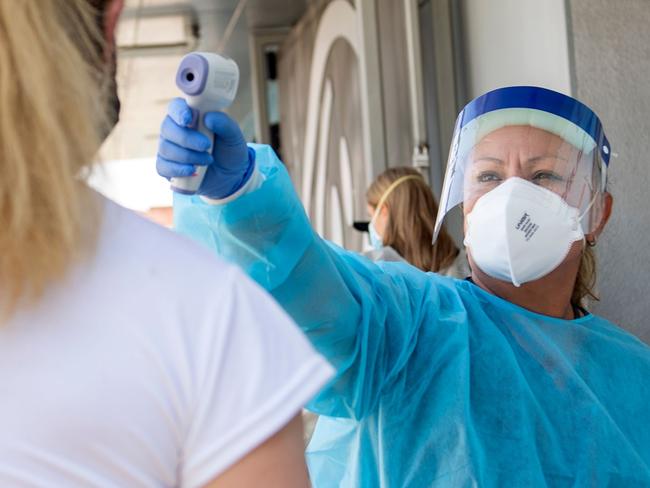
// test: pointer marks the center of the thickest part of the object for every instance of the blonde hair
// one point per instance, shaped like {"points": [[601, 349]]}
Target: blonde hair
{"points": [[583, 289], [412, 211], [585, 284], [51, 119]]}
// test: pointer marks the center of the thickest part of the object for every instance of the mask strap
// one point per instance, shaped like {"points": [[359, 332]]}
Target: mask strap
{"points": [[591, 204], [390, 189]]}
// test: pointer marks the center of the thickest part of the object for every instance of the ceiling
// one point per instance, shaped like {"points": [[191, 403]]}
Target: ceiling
{"points": [[152, 37]]}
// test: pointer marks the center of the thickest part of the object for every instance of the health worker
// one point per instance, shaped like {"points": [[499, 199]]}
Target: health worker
{"points": [[504, 379]]}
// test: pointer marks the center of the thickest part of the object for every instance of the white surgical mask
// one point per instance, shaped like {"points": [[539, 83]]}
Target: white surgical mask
{"points": [[376, 240], [520, 232]]}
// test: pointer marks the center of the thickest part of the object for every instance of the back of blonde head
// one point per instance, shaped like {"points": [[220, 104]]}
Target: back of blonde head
{"points": [[51, 117]]}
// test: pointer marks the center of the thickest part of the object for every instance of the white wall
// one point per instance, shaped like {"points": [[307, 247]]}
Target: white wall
{"points": [[612, 68], [515, 42]]}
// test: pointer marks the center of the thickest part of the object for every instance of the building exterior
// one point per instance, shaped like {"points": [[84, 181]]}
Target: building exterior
{"points": [[597, 51], [345, 88]]}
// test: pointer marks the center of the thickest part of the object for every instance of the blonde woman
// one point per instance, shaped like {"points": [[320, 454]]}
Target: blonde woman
{"points": [[504, 379], [128, 356], [402, 212]]}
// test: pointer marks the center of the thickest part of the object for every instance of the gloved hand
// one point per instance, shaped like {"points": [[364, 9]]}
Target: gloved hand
{"points": [[181, 149]]}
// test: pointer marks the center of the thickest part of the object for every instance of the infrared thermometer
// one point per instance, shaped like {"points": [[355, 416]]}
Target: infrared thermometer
{"points": [[209, 82]]}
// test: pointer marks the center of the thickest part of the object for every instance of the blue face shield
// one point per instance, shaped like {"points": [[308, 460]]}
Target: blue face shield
{"points": [[546, 138]]}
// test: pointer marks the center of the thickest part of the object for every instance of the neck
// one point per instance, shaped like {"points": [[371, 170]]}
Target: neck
{"points": [[549, 295]]}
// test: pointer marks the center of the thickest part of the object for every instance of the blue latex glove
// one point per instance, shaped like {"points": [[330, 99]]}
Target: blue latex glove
{"points": [[181, 149]]}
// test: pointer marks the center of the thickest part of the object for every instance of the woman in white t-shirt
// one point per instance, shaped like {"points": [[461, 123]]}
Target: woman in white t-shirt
{"points": [[128, 356]]}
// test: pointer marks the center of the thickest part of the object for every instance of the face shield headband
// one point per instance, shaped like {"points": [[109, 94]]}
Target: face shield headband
{"points": [[565, 139]]}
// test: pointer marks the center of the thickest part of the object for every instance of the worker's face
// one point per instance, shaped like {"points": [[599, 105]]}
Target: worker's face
{"points": [[525, 152], [543, 159], [540, 157]]}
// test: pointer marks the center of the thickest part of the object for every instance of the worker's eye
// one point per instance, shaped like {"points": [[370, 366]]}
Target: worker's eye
{"points": [[488, 177], [546, 176]]}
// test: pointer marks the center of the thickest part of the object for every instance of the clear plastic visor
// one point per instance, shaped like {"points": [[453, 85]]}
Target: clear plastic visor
{"points": [[537, 146]]}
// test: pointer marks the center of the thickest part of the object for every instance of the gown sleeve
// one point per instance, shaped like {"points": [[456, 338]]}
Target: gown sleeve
{"points": [[363, 317]]}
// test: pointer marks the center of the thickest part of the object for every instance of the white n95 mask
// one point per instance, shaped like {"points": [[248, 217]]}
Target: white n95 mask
{"points": [[520, 232]]}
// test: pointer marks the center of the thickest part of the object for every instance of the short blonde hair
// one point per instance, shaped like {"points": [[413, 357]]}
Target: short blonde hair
{"points": [[52, 114]]}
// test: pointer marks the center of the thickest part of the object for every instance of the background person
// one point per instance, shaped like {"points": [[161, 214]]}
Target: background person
{"points": [[501, 380], [128, 356], [402, 212]]}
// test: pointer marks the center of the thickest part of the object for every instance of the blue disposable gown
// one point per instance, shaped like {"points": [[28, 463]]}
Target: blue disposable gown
{"points": [[439, 383]]}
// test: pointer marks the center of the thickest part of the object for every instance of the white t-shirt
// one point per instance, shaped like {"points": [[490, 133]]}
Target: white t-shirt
{"points": [[153, 364]]}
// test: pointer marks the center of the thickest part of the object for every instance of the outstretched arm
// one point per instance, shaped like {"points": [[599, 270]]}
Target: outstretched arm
{"points": [[364, 318]]}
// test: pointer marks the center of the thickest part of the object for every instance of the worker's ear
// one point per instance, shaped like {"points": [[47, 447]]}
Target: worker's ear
{"points": [[111, 16], [608, 204]]}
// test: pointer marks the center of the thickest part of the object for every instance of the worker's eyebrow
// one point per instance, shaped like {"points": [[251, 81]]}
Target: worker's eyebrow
{"points": [[537, 159], [489, 158]]}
